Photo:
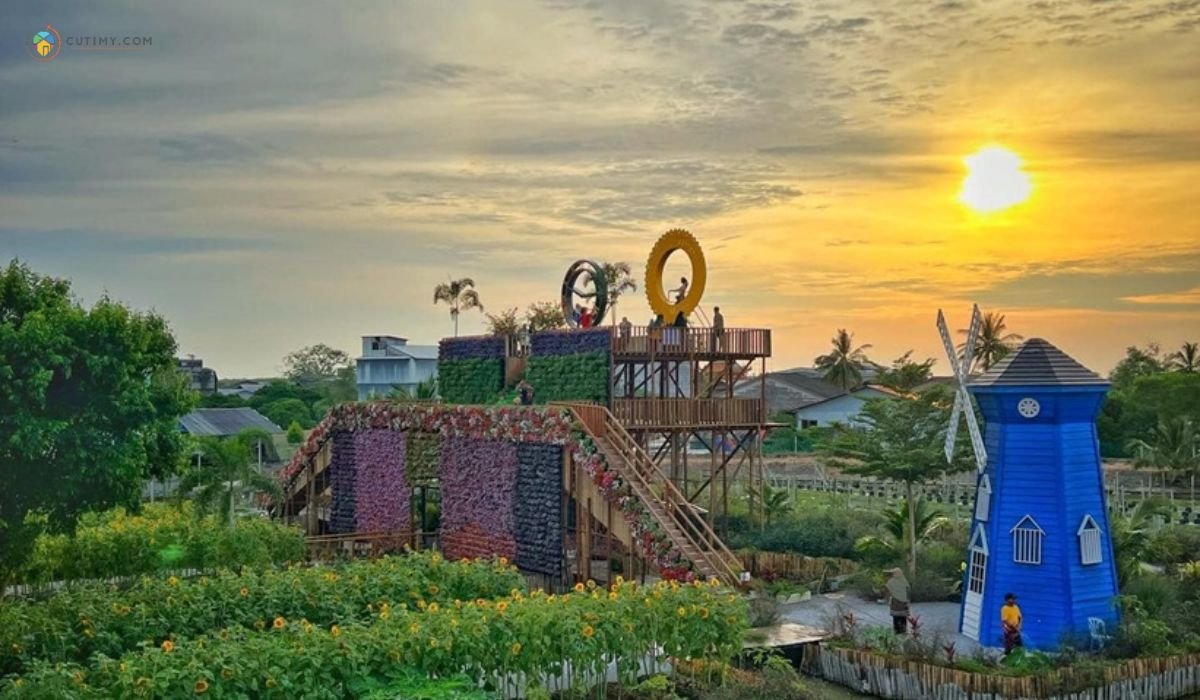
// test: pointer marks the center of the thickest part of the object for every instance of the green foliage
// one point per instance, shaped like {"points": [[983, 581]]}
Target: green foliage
{"points": [[411, 685], [89, 404], [503, 323], [1173, 445], [843, 365], [544, 316], [1144, 394], [773, 501], [893, 540], [226, 473], [288, 411], [295, 433], [221, 401], [459, 295], [905, 375], [577, 377], [814, 532], [1131, 536], [992, 344], [120, 543], [315, 364], [1174, 545], [471, 380], [1026, 661]]}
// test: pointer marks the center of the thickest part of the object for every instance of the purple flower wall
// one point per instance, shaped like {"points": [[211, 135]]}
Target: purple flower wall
{"points": [[477, 479], [382, 497], [342, 473]]}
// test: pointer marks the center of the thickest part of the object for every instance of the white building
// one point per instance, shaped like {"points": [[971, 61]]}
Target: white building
{"points": [[841, 409], [389, 363]]}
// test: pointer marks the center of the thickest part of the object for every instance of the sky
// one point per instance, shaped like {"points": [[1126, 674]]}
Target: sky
{"points": [[270, 175]]}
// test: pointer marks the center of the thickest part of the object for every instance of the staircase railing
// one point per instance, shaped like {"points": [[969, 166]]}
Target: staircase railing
{"points": [[651, 485]]}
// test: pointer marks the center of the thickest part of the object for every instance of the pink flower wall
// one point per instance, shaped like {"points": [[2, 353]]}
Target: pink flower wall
{"points": [[477, 479]]}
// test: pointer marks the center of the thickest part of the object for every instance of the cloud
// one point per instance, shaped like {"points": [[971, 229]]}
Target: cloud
{"points": [[1189, 297]]}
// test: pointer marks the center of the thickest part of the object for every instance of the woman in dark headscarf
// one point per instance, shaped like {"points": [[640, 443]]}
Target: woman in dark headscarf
{"points": [[897, 587]]}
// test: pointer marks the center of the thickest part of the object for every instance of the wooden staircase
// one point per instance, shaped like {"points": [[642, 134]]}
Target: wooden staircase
{"points": [[684, 525]]}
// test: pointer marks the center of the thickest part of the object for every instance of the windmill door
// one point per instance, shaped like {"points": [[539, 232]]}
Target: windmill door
{"points": [[976, 574]]}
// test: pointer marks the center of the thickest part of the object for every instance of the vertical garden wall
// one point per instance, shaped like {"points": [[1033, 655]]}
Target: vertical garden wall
{"points": [[471, 370], [570, 365]]}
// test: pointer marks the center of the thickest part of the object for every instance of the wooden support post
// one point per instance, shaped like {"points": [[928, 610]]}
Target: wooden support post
{"points": [[712, 483], [313, 525]]}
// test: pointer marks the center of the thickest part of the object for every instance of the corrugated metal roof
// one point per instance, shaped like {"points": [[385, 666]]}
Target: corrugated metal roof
{"points": [[1038, 363], [222, 422]]}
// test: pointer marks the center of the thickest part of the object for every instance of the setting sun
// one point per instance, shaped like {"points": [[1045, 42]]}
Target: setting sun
{"points": [[994, 180]]}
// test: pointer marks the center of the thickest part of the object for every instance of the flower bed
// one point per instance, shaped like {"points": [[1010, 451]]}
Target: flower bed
{"points": [[79, 622], [531, 634]]}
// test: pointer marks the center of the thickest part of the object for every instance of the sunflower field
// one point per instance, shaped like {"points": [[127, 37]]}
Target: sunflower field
{"points": [[329, 632]]}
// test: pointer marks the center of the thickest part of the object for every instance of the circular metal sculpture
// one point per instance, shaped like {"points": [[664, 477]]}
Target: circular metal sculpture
{"points": [[582, 271], [669, 307]]}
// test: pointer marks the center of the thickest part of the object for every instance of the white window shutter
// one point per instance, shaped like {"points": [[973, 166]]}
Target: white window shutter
{"points": [[1089, 542], [983, 499], [1027, 541]]}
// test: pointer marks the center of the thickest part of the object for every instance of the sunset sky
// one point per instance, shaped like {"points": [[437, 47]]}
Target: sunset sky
{"points": [[269, 175]]}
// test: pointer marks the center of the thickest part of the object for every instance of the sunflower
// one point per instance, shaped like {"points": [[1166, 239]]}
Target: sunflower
{"points": [[168, 646], [703, 613], [245, 592], [335, 630], [502, 606], [433, 590], [279, 623], [579, 588], [682, 611], [172, 581], [259, 625], [588, 631], [515, 648], [433, 607], [201, 687]]}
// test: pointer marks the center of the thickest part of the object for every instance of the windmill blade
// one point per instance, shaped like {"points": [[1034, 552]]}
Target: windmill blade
{"points": [[976, 438], [952, 429], [972, 336], [948, 344]]}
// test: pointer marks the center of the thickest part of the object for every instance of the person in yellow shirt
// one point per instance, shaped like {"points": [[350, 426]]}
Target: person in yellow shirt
{"points": [[1010, 621]]}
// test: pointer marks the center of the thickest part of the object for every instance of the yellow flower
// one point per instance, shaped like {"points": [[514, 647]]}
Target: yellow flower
{"points": [[244, 592], [383, 614], [612, 595], [173, 581], [433, 590], [201, 687], [579, 588], [515, 648], [588, 631], [259, 625], [502, 606], [227, 674], [77, 677], [335, 630], [279, 623], [503, 561], [414, 628], [620, 579], [331, 577], [421, 604], [591, 584], [168, 646], [703, 613], [433, 607], [682, 611], [433, 642], [271, 683]]}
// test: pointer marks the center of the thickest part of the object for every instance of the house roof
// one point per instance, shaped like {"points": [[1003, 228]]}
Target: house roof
{"points": [[787, 389], [222, 422], [1038, 363], [415, 352], [872, 387]]}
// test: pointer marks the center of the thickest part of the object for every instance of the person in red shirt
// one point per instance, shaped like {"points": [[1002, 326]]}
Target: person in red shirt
{"points": [[585, 318]]}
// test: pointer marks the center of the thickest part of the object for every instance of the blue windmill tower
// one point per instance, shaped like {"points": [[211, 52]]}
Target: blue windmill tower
{"points": [[1040, 526]]}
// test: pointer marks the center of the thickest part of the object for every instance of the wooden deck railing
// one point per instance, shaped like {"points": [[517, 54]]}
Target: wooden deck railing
{"points": [[668, 340], [636, 413]]}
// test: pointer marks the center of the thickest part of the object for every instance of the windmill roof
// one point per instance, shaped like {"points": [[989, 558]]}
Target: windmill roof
{"points": [[1038, 363]]}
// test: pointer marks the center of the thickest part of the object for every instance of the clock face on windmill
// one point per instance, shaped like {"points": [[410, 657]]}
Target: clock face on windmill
{"points": [[1029, 408]]}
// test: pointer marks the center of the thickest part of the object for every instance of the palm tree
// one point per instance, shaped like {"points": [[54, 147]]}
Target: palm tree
{"points": [[226, 472], [992, 344], [896, 539], [1185, 359], [460, 294], [844, 364], [1131, 535], [774, 501], [619, 278], [1174, 446]]}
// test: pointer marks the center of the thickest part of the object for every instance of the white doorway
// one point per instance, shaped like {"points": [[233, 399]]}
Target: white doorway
{"points": [[977, 554]]}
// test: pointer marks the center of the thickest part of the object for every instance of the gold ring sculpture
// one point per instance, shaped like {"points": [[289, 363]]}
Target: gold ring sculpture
{"points": [[669, 242]]}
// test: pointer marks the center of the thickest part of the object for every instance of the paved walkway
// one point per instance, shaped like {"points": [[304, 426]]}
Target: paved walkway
{"points": [[936, 618]]}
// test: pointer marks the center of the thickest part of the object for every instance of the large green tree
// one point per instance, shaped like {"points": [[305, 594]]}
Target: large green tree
{"points": [[901, 440], [460, 295], [315, 364], [905, 375], [844, 364], [1173, 447], [544, 316], [89, 405]]}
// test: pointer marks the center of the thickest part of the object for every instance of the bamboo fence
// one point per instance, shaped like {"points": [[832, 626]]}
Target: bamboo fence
{"points": [[901, 679]]}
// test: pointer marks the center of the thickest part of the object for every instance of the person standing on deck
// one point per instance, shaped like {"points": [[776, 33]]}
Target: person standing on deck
{"points": [[897, 587], [718, 329], [1011, 621]]}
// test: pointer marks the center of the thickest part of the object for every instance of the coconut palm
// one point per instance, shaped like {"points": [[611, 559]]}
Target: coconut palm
{"points": [[1173, 446], [992, 344], [774, 501], [226, 472], [1131, 535], [1185, 359], [460, 294], [895, 540], [618, 276], [844, 365]]}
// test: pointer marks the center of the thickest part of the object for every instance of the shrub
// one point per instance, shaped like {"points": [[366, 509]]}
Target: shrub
{"points": [[1156, 594], [295, 433], [119, 543], [826, 532], [928, 586], [288, 411], [1173, 545]]}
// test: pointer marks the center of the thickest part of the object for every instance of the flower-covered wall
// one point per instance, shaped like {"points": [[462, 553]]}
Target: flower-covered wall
{"points": [[569, 365], [500, 473], [471, 370]]}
